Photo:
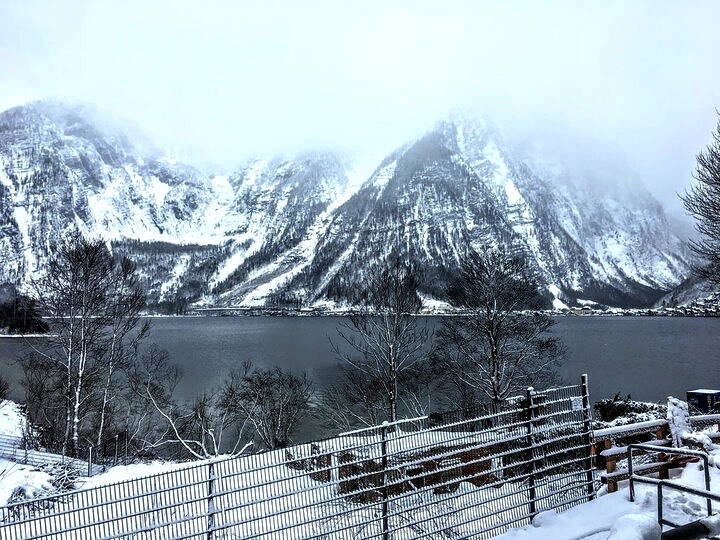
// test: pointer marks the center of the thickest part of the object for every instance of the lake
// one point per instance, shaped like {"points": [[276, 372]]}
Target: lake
{"points": [[647, 357]]}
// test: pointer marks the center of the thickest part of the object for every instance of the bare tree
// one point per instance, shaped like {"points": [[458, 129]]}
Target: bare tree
{"points": [[73, 292], [94, 301], [352, 400], [383, 341], [495, 348], [703, 202], [124, 332], [272, 402], [152, 381]]}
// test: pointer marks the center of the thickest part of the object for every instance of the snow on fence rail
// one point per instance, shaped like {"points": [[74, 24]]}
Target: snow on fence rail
{"points": [[442, 476]]}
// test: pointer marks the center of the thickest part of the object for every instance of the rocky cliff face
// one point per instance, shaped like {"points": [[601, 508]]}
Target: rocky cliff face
{"points": [[292, 230]]}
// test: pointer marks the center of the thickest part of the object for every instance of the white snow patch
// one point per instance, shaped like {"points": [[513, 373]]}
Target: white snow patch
{"points": [[556, 292], [23, 220], [433, 304], [383, 176], [25, 479], [12, 419]]}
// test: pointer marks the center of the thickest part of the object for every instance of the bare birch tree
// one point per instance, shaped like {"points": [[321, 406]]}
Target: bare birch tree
{"points": [[124, 332], [383, 340], [494, 348], [73, 292], [94, 302]]}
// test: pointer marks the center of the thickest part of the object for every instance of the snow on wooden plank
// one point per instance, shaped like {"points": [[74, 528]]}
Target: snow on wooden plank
{"points": [[622, 450], [609, 433]]}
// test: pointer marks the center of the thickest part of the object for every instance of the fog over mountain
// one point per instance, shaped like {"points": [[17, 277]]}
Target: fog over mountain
{"points": [[233, 80], [298, 229], [266, 154]]}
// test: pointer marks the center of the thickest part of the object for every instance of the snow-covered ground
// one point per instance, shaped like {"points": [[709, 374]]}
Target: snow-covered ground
{"points": [[610, 516], [26, 480], [613, 516], [12, 420]]}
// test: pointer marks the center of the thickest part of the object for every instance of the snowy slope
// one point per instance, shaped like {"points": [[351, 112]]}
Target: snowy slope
{"points": [[461, 186], [295, 230]]}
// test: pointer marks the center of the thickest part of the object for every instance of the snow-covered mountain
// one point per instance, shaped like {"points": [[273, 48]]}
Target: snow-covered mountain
{"points": [[692, 290], [294, 230]]}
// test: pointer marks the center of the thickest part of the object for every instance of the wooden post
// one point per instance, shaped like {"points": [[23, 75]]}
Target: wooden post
{"points": [[610, 461], [612, 485], [587, 427], [529, 398]]}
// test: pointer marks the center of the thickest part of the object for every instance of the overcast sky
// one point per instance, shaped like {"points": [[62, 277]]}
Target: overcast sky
{"points": [[228, 80]]}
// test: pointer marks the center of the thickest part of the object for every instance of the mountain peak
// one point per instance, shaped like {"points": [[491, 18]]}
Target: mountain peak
{"points": [[293, 229]]}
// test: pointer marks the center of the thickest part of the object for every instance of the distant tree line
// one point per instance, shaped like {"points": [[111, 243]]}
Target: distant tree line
{"points": [[19, 313]]}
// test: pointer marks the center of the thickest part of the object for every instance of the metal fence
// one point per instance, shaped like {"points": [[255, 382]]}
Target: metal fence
{"points": [[93, 459], [445, 476]]}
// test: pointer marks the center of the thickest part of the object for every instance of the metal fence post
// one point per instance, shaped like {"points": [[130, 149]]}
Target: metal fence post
{"points": [[211, 501], [529, 395], [90, 458], [383, 451], [587, 427]]}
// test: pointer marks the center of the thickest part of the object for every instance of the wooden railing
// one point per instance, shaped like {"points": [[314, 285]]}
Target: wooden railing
{"points": [[611, 445]]}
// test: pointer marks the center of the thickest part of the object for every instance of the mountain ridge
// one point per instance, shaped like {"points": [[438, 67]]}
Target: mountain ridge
{"points": [[295, 230]]}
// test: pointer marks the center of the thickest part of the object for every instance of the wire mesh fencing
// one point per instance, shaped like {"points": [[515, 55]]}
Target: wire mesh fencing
{"points": [[453, 475]]}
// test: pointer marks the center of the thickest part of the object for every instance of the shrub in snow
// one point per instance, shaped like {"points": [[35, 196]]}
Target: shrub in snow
{"points": [[63, 475], [624, 410]]}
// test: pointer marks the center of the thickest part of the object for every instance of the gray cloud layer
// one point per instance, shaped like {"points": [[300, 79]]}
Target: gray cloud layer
{"points": [[228, 80]]}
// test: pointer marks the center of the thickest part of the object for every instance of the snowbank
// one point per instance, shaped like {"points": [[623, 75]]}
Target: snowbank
{"points": [[585, 520], [12, 419], [614, 517], [24, 480]]}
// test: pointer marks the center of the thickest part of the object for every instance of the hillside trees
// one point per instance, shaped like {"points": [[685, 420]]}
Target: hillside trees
{"points": [[19, 313], [703, 202]]}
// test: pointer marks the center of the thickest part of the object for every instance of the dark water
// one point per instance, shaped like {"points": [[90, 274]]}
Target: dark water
{"points": [[649, 358]]}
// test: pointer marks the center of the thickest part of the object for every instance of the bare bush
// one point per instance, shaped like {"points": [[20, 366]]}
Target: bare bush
{"points": [[252, 404]]}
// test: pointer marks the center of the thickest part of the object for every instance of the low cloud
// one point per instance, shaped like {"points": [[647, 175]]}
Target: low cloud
{"points": [[225, 81]]}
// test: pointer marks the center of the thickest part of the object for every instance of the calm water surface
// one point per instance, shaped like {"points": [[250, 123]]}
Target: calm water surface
{"points": [[647, 357]]}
